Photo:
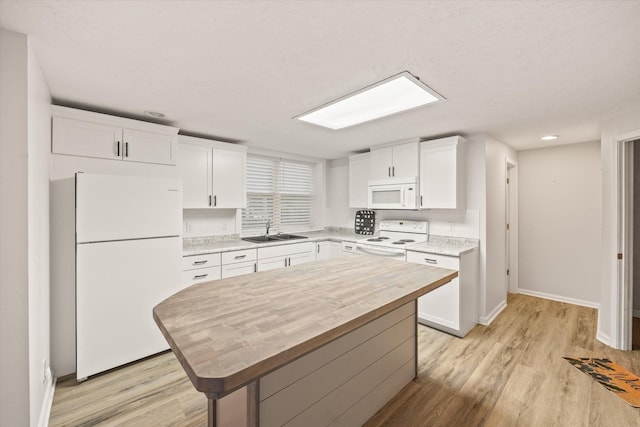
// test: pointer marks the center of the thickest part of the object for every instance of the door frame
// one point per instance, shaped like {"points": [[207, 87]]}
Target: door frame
{"points": [[511, 217], [623, 303]]}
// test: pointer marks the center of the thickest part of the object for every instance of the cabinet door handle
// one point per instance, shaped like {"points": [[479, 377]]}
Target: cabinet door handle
{"points": [[348, 247], [215, 200], [200, 262], [389, 172], [118, 149], [430, 261], [209, 199], [126, 149], [255, 267], [393, 171], [420, 201], [318, 248], [240, 256], [200, 276]]}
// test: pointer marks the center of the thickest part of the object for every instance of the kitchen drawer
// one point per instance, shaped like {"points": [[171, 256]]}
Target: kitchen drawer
{"points": [[239, 256], [348, 247], [443, 261], [200, 261], [286, 250], [191, 277], [238, 269]]}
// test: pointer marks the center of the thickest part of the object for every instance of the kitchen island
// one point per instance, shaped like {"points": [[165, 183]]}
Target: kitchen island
{"points": [[315, 344]]}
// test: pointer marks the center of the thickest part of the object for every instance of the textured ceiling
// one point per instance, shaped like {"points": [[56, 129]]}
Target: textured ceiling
{"points": [[239, 71]]}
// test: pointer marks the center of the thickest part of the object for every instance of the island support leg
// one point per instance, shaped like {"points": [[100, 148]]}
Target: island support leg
{"points": [[253, 404], [239, 408], [212, 412]]}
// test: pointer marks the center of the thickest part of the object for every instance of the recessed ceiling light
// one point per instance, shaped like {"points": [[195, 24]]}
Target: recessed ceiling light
{"points": [[392, 95], [549, 137], [154, 114]]}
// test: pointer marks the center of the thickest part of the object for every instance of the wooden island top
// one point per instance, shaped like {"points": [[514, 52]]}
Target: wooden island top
{"points": [[228, 333]]}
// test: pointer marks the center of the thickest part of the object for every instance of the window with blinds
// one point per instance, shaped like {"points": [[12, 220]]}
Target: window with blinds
{"points": [[278, 190]]}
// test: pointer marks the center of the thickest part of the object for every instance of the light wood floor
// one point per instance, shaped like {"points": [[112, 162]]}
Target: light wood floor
{"points": [[508, 374]]}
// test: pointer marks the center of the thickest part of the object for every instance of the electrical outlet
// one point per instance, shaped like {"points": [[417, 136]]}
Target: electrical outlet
{"points": [[452, 226], [45, 371], [188, 227]]}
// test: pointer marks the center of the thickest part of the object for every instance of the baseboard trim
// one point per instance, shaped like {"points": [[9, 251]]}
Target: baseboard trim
{"points": [[45, 412], [559, 298], [603, 338], [486, 320]]}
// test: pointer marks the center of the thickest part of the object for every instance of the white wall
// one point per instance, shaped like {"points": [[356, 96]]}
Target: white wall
{"points": [[338, 213], [560, 219], [24, 225], [613, 130], [497, 154], [14, 304], [39, 169]]}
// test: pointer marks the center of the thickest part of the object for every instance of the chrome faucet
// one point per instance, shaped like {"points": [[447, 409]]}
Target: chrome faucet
{"points": [[267, 226]]}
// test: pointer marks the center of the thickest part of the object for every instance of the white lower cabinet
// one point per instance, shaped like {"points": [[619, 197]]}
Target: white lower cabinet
{"points": [[453, 306], [237, 263], [200, 268], [272, 257], [348, 247], [328, 249]]}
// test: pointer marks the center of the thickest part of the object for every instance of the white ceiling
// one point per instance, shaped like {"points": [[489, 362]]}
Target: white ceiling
{"points": [[239, 71]]}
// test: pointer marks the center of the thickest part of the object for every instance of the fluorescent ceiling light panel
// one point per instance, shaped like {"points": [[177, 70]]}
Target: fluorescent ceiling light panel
{"points": [[549, 137], [390, 96]]}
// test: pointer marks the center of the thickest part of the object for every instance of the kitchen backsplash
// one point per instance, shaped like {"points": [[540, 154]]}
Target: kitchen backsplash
{"points": [[441, 223], [209, 222]]}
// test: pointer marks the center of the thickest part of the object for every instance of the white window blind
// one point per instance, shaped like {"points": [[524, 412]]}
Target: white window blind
{"points": [[280, 191]]}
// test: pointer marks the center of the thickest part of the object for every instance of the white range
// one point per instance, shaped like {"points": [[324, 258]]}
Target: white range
{"points": [[394, 235]]}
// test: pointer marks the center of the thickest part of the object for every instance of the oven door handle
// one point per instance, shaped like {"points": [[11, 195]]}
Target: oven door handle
{"points": [[377, 251]]}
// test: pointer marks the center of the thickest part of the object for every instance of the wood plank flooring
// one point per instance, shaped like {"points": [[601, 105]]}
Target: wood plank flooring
{"points": [[510, 373]]}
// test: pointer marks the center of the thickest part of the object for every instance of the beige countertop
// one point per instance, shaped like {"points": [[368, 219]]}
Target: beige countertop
{"points": [[227, 333], [442, 245], [201, 246]]}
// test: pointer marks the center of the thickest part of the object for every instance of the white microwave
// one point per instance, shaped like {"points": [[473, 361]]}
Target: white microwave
{"points": [[394, 193]]}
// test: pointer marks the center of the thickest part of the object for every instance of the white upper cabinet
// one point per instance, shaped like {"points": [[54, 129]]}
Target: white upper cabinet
{"points": [[149, 147], [396, 161], [88, 134], [442, 173], [228, 168], [359, 167], [194, 167], [213, 173]]}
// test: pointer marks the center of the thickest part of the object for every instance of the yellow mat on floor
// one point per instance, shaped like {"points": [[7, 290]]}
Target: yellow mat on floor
{"points": [[614, 377]]}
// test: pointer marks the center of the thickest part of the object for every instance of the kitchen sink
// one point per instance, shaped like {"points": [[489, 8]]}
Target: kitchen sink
{"points": [[274, 238], [260, 239], [288, 237]]}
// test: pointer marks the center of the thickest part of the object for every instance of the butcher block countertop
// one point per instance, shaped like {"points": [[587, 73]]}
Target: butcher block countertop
{"points": [[228, 333]]}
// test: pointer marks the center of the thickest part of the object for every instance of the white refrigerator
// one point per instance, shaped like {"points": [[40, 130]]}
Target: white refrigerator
{"points": [[128, 252]]}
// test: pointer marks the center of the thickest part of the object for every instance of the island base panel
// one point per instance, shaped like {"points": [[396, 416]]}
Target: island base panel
{"points": [[347, 380]]}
